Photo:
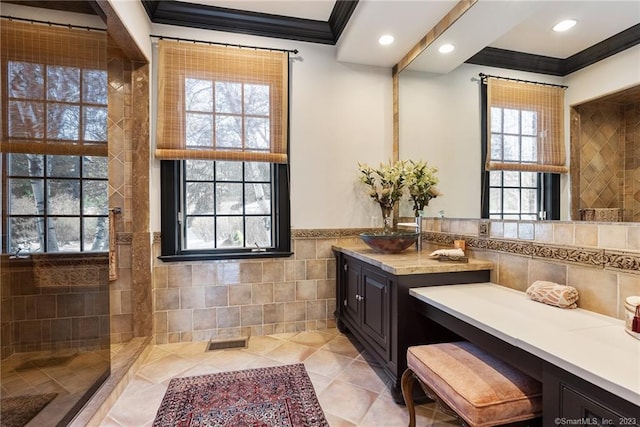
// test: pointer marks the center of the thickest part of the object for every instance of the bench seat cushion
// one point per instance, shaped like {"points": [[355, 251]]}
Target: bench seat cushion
{"points": [[481, 389]]}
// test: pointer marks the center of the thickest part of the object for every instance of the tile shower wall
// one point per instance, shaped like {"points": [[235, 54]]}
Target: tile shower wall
{"points": [[631, 190], [120, 178], [601, 260], [6, 312], [601, 155], [199, 301], [130, 294], [605, 148], [54, 302]]}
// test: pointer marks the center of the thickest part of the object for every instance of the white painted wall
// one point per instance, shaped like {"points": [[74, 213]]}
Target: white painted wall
{"points": [[341, 114], [440, 123], [618, 72]]}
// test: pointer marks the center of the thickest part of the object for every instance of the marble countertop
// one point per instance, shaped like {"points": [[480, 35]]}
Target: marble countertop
{"points": [[410, 261], [592, 346]]}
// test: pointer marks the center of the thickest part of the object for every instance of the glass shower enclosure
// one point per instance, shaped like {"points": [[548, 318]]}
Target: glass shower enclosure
{"points": [[54, 265]]}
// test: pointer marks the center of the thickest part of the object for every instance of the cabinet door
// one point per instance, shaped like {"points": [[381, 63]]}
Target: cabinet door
{"points": [[576, 406], [351, 295], [374, 307]]}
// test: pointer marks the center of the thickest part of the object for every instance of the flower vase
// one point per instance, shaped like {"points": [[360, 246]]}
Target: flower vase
{"points": [[387, 212], [418, 210]]}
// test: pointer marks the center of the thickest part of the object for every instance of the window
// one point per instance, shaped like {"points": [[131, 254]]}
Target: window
{"points": [[224, 174], [513, 194], [521, 155], [224, 209], [227, 115], [56, 103], [54, 139], [56, 203]]}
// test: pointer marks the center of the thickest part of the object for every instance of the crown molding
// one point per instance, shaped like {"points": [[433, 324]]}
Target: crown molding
{"points": [[340, 15], [606, 48], [503, 58], [512, 60], [246, 22]]}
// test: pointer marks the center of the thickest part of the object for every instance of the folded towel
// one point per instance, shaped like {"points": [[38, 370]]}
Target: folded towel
{"points": [[553, 294], [448, 252]]}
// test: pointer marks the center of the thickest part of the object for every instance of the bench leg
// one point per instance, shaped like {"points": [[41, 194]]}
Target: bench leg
{"points": [[407, 382]]}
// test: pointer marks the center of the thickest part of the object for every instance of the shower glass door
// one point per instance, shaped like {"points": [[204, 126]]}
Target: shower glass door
{"points": [[55, 221]]}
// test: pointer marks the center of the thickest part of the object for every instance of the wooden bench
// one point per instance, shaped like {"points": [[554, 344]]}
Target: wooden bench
{"points": [[470, 384]]}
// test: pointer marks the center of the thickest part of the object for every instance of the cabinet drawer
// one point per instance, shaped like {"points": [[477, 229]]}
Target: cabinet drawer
{"points": [[577, 406]]}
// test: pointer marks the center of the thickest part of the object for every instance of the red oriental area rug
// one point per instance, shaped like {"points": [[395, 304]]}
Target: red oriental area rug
{"points": [[278, 396]]}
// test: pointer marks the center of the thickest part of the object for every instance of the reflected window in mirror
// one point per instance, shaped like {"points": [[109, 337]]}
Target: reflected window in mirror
{"points": [[515, 194], [521, 195]]}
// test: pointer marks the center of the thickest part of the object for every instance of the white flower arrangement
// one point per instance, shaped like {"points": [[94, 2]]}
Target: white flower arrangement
{"points": [[421, 182], [387, 183]]}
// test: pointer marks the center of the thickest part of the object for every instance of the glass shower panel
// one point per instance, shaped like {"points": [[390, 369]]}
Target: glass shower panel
{"points": [[54, 295]]}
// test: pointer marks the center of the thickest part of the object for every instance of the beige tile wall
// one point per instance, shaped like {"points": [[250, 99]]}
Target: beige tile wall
{"points": [[199, 301], [120, 179], [605, 143], [602, 288], [63, 309], [130, 295]]}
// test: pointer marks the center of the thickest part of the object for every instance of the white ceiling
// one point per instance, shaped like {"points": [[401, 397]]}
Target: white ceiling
{"points": [[519, 25]]}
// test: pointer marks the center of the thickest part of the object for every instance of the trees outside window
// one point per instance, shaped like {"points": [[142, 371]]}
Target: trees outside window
{"points": [[56, 202]]}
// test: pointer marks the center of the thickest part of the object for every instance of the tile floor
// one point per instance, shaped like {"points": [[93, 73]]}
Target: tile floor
{"points": [[69, 374], [350, 391]]}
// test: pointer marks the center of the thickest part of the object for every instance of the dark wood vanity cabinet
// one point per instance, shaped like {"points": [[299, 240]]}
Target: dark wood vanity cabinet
{"points": [[365, 304], [568, 398], [374, 306]]}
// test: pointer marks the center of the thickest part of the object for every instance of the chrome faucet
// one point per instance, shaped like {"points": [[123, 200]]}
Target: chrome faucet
{"points": [[418, 227]]}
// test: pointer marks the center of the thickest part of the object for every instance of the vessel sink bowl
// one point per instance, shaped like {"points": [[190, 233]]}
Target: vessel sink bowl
{"points": [[389, 243]]}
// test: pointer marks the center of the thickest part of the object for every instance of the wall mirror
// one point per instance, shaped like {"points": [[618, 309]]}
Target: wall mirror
{"points": [[439, 104]]}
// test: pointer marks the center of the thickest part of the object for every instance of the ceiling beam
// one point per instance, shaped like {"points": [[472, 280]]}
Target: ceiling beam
{"points": [[447, 21]]}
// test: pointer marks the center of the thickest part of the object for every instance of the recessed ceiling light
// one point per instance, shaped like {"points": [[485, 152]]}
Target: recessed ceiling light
{"points": [[564, 25], [446, 48], [385, 40]]}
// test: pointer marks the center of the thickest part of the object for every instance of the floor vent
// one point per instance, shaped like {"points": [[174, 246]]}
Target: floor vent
{"points": [[227, 344]]}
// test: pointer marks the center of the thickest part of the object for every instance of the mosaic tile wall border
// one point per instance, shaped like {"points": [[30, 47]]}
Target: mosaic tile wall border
{"points": [[628, 262], [70, 271]]}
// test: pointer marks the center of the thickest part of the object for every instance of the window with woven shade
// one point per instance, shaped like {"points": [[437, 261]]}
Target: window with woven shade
{"points": [[525, 127], [54, 89], [221, 103], [522, 149], [222, 134], [54, 137]]}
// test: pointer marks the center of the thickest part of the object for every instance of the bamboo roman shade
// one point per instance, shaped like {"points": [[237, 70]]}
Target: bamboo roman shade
{"points": [[54, 89], [221, 103], [525, 127]]}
